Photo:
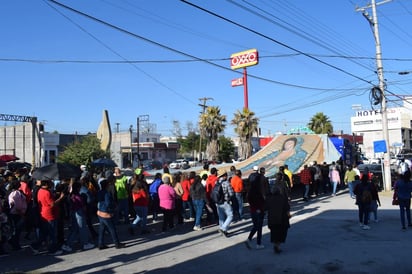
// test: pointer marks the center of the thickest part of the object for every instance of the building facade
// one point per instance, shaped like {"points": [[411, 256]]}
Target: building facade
{"points": [[368, 123]]}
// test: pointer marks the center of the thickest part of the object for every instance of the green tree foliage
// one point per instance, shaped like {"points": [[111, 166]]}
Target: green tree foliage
{"points": [[226, 149], [245, 124], [211, 124], [83, 151], [189, 143], [320, 124]]}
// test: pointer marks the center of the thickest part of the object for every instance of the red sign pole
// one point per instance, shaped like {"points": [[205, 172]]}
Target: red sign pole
{"points": [[245, 92]]}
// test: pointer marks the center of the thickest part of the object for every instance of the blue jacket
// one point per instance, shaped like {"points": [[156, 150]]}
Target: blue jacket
{"points": [[403, 189], [105, 201]]}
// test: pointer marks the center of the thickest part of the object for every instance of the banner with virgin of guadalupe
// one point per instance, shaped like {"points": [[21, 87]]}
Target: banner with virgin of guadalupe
{"points": [[291, 150]]}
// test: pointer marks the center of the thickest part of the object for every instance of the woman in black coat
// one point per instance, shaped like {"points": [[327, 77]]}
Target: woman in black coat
{"points": [[277, 204]]}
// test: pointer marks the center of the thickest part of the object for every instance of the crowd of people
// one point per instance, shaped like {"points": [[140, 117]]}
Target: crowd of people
{"points": [[40, 210], [63, 217]]}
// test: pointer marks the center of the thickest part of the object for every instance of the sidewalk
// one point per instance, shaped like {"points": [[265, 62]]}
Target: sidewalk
{"points": [[324, 237]]}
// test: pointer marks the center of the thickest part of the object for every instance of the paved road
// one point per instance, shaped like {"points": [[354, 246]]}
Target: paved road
{"points": [[325, 237]]}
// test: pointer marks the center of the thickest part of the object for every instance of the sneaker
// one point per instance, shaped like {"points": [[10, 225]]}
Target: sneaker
{"points": [[260, 246], [361, 224], [88, 246], [67, 248], [56, 253], [248, 244], [197, 228], [103, 247], [366, 227], [404, 228]]}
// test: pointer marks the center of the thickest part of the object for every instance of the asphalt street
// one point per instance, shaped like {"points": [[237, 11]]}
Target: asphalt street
{"points": [[325, 237]]}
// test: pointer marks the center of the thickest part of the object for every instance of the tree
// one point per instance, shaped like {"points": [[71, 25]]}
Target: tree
{"points": [[83, 152], [189, 143], [226, 149], [211, 124], [320, 124], [245, 124]]}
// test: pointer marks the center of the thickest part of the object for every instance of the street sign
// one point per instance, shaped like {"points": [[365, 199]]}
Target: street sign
{"points": [[244, 59], [237, 82]]}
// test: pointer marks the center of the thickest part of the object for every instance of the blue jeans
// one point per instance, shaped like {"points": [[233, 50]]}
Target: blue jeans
{"points": [[198, 205], [239, 198], [405, 209], [185, 205], [306, 194], [107, 223], [257, 219], [141, 216], [351, 187], [225, 213], [334, 186], [78, 228], [123, 209], [47, 229]]}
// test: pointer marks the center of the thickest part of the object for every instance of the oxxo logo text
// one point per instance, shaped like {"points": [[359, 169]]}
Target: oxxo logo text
{"points": [[244, 59]]}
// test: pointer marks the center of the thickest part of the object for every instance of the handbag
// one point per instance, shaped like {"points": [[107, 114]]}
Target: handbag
{"points": [[395, 200]]}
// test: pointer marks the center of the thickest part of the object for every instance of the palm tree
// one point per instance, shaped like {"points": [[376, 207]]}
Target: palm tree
{"points": [[320, 124], [245, 124], [211, 124]]}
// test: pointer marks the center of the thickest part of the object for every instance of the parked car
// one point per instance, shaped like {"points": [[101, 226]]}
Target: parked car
{"points": [[179, 163], [376, 170], [152, 164]]}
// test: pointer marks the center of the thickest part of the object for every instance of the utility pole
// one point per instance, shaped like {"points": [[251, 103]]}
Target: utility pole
{"points": [[379, 66], [204, 106]]}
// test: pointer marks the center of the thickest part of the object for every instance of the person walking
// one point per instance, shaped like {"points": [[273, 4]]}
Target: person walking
{"points": [[238, 188], [105, 213], [49, 212], [167, 198], [306, 180], [403, 189], [256, 198], [122, 192], [225, 210], [140, 204], [278, 207], [375, 202], [334, 178], [363, 192], [349, 179], [198, 194], [78, 226]]}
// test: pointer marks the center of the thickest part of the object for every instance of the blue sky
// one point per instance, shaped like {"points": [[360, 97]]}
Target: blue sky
{"points": [[158, 58]]}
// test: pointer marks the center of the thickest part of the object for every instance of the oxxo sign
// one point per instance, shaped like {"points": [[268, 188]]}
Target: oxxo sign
{"points": [[244, 59]]}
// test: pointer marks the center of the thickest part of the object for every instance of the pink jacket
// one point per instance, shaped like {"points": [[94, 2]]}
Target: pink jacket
{"points": [[167, 196], [334, 176]]}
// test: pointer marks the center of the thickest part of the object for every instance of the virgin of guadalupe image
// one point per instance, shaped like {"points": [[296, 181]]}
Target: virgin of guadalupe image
{"points": [[290, 153]]}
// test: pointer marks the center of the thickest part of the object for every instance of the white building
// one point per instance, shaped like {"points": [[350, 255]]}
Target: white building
{"points": [[368, 123]]}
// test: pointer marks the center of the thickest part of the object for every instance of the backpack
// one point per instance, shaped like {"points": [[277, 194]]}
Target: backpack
{"points": [[20, 202], [366, 196], [217, 194]]}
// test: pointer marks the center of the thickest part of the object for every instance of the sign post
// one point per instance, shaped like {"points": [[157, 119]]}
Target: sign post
{"points": [[242, 60]]}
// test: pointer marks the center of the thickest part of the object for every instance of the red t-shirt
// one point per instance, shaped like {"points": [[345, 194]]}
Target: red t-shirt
{"points": [[45, 199], [140, 198], [186, 190]]}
